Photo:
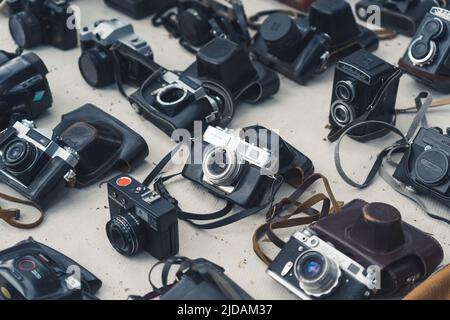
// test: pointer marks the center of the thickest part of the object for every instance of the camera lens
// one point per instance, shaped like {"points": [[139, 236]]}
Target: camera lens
{"points": [[434, 28], [19, 155], [432, 167], [318, 276], [171, 95], [341, 114], [345, 90], [281, 35], [96, 68], [221, 166], [127, 234], [25, 30]]}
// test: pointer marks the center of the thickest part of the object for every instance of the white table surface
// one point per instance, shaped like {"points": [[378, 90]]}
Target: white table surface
{"points": [[75, 224]]}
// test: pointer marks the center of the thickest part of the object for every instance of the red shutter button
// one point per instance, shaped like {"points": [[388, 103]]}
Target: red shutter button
{"points": [[123, 182]]}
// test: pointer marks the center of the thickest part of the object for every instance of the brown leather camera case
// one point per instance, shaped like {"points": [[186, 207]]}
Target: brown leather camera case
{"points": [[374, 234]]}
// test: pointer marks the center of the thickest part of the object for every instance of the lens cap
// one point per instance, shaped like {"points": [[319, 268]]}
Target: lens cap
{"points": [[25, 29], [432, 166], [96, 67], [279, 29], [194, 27]]}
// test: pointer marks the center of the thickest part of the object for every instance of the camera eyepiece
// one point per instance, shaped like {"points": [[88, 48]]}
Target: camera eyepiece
{"points": [[127, 234], [19, 155], [318, 275]]}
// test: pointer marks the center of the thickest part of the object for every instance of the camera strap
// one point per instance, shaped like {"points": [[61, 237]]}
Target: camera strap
{"points": [[291, 219], [335, 134], [12, 216], [423, 102]]}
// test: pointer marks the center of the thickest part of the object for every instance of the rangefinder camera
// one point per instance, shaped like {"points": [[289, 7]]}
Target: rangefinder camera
{"points": [[32, 163], [313, 269]]}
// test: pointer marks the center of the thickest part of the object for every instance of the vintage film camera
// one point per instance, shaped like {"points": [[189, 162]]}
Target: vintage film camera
{"points": [[111, 51], [427, 57], [242, 171], [33, 271], [365, 250], [359, 80], [299, 48], [426, 167], [141, 220], [24, 89], [312, 269], [175, 100], [403, 16], [138, 9], [302, 5], [43, 22], [32, 163], [196, 22]]}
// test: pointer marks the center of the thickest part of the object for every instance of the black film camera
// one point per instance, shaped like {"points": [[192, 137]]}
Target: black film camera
{"points": [[24, 89], [241, 169], [404, 16], [196, 22], [313, 269], [33, 271], [108, 53], [175, 100], [427, 57], [43, 22], [139, 9], [32, 163], [359, 80], [300, 47], [141, 220], [426, 167]]}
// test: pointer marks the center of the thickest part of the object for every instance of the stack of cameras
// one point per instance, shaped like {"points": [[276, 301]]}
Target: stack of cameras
{"points": [[365, 252]]}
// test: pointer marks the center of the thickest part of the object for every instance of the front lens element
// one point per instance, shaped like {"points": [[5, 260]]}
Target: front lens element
{"points": [[221, 166], [19, 155], [127, 234]]}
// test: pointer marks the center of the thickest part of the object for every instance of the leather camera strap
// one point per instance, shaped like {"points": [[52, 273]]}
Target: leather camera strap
{"points": [[277, 221], [377, 101], [12, 216]]}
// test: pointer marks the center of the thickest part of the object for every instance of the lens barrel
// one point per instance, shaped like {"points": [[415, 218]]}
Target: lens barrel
{"points": [[127, 234]]}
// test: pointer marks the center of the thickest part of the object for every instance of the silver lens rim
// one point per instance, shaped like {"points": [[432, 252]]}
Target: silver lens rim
{"points": [[325, 283], [232, 171], [346, 109], [167, 88], [347, 84]]}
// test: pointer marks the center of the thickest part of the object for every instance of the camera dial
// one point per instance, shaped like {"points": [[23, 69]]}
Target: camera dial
{"points": [[127, 234], [19, 155], [25, 29], [432, 166], [342, 113], [317, 275], [221, 166]]}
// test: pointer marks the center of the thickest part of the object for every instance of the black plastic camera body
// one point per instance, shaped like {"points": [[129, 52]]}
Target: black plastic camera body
{"points": [[138, 9], [428, 56], [299, 48], [44, 22], [141, 220], [24, 89], [241, 172], [197, 22], [32, 163], [358, 81], [175, 100], [110, 47], [33, 271], [313, 269], [403, 16], [426, 167]]}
